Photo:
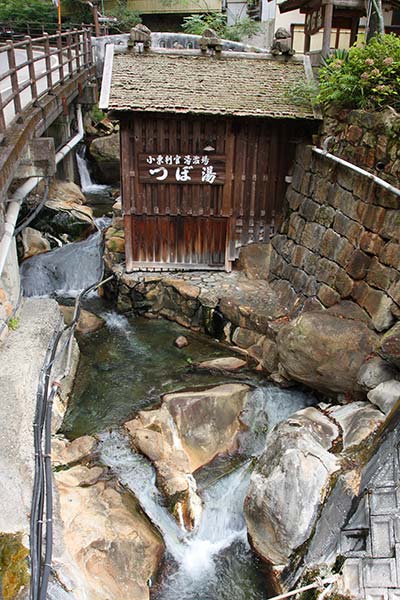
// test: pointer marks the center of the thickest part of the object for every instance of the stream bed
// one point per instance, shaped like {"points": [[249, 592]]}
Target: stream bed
{"points": [[126, 367]]}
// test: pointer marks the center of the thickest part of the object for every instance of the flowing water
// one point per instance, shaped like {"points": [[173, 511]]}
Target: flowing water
{"points": [[87, 184], [64, 271]]}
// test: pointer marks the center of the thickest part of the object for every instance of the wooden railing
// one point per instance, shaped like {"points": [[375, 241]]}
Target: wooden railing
{"points": [[29, 69]]}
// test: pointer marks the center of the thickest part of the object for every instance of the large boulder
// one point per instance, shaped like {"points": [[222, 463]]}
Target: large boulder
{"points": [[185, 433], [254, 260], [66, 191], [289, 484], [105, 154], [87, 322], [324, 351], [109, 549]]}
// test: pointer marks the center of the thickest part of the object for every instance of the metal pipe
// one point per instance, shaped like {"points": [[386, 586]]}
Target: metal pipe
{"points": [[16, 199], [378, 180]]}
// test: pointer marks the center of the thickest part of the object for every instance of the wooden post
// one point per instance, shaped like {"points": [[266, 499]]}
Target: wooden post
{"points": [[307, 42], [12, 65], [328, 16], [355, 21], [31, 67], [96, 19], [60, 57], [48, 61]]}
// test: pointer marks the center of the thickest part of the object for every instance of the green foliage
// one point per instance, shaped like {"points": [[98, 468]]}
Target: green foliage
{"points": [[20, 12], [303, 93], [97, 114], [76, 11], [197, 24], [126, 18], [13, 323], [368, 77]]}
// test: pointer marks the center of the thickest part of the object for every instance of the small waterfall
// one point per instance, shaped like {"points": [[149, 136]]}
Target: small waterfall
{"points": [[64, 271], [87, 184]]}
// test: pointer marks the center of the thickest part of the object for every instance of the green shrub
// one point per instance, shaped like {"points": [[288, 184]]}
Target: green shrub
{"points": [[126, 18], [13, 323], [367, 77], [20, 12], [197, 24]]}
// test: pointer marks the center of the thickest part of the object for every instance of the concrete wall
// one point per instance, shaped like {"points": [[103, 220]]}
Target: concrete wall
{"points": [[341, 236]]}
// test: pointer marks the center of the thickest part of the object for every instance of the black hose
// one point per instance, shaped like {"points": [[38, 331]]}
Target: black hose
{"points": [[35, 212]]}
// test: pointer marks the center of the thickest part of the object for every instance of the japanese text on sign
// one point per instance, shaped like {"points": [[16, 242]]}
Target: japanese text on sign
{"points": [[178, 168]]}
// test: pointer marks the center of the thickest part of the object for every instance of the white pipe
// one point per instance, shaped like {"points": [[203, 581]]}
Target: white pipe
{"points": [[16, 199], [317, 583], [350, 165]]}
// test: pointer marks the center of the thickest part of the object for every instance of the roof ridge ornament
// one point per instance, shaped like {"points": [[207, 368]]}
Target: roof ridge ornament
{"points": [[140, 35], [210, 41], [282, 43]]}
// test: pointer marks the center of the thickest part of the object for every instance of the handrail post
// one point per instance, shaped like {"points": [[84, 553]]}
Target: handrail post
{"points": [[77, 50], [69, 53], [48, 61], [31, 67], [60, 57], [12, 64], [2, 118]]}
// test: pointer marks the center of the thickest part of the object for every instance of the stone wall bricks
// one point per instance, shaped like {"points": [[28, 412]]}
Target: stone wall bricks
{"points": [[299, 280], [311, 288], [343, 284], [394, 292], [322, 191], [310, 262], [345, 178], [347, 227], [299, 255], [380, 276], [296, 227], [329, 243], [346, 203], [325, 215], [298, 175], [360, 291], [358, 264], [354, 134], [371, 243], [327, 295], [343, 252], [294, 199], [308, 209], [312, 235], [326, 271], [372, 217], [385, 198], [307, 184], [390, 255], [391, 225]]}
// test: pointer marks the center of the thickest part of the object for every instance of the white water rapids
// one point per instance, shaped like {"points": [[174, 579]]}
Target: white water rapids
{"points": [[87, 185], [197, 554]]}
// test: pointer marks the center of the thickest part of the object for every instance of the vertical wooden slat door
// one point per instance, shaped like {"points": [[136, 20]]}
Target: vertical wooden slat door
{"points": [[178, 242]]}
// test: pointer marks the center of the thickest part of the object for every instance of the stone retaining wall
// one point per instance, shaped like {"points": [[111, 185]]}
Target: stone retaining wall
{"points": [[341, 236]]}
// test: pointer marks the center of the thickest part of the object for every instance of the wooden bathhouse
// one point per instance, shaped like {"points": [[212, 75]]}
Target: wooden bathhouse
{"points": [[207, 142]]}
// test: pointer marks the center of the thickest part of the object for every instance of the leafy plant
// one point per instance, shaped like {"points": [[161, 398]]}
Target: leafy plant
{"points": [[13, 323], [303, 93], [198, 23], [20, 12], [126, 18], [368, 77]]}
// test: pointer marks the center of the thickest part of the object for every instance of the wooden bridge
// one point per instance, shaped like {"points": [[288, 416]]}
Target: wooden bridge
{"points": [[39, 79]]}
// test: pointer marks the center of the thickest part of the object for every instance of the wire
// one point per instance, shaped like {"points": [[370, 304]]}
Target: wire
{"points": [[36, 211]]}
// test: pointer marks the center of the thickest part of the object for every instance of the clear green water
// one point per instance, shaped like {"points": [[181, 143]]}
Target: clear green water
{"points": [[128, 365]]}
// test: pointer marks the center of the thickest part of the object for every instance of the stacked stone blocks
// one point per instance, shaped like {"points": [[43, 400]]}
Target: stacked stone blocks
{"points": [[341, 236]]}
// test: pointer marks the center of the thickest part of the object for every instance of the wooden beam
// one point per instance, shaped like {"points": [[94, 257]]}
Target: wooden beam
{"points": [[328, 16]]}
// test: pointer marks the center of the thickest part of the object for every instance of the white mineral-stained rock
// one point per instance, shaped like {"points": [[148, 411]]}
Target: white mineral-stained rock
{"points": [[357, 421], [226, 363], [385, 395], [187, 432], [33, 242], [289, 485], [108, 548]]}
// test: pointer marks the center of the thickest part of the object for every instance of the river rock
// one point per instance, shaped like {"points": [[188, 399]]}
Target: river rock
{"points": [[386, 395], [181, 341], [187, 432], [65, 218], [357, 420], [66, 191], [375, 371], [289, 485], [325, 351], [111, 549], [64, 452], [33, 242], [389, 347], [87, 322], [104, 152], [226, 363]]}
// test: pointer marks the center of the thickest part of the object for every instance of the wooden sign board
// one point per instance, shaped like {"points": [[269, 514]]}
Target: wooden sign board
{"points": [[182, 169]]}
